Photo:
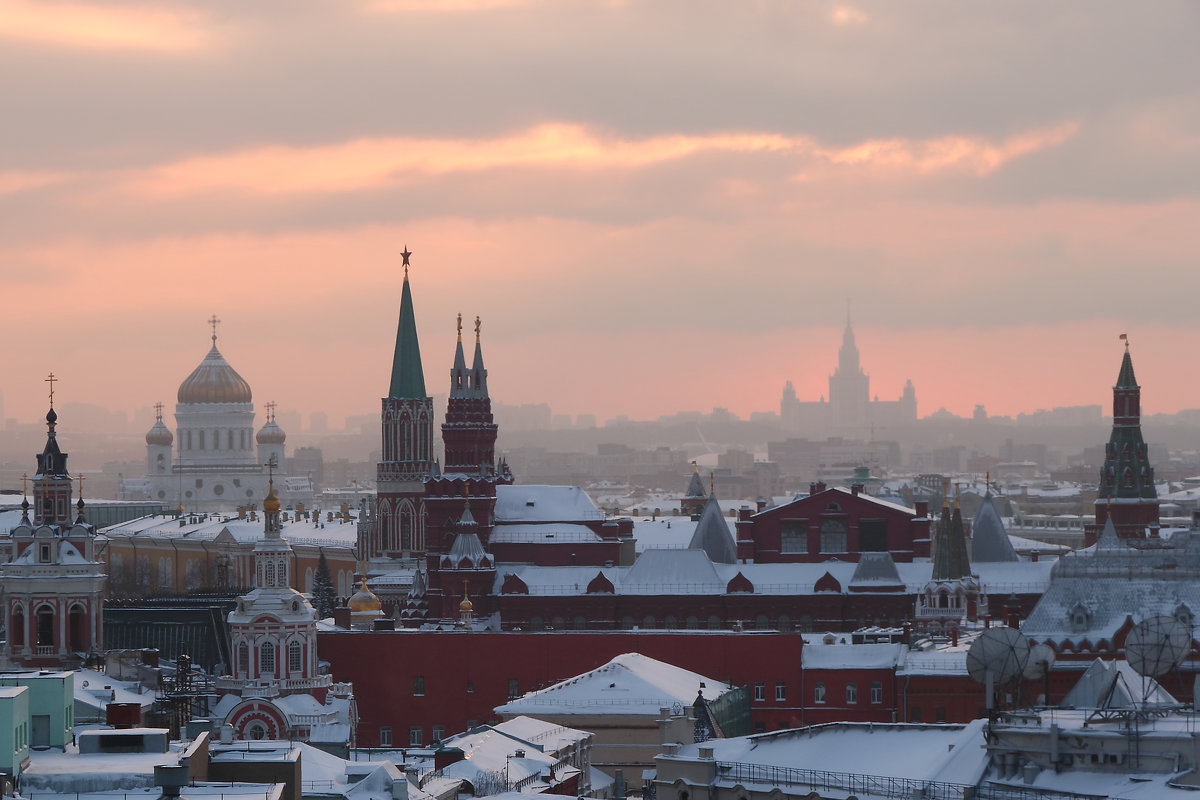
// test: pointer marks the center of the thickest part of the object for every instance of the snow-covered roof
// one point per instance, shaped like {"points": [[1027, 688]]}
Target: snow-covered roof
{"points": [[206, 527], [852, 656], [628, 684], [684, 571], [96, 690], [525, 503], [989, 540], [543, 533], [940, 753], [1112, 685]]}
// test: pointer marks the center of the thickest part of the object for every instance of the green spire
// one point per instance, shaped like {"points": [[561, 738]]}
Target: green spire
{"points": [[1126, 379], [408, 380]]}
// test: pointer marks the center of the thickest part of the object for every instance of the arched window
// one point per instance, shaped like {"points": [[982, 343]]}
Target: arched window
{"points": [[648, 623], [833, 536], [670, 622], [243, 662], [266, 659], [295, 661], [16, 634], [270, 573], [714, 622]]}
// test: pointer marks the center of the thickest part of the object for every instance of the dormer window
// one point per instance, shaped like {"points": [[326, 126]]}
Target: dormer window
{"points": [[1183, 615], [1080, 618], [44, 553]]}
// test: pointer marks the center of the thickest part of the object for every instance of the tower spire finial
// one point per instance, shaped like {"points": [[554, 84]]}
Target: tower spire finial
{"points": [[478, 324], [405, 254], [460, 326], [50, 380], [158, 407], [214, 322]]}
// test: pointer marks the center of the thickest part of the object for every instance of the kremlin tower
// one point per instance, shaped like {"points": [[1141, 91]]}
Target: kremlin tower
{"points": [[1127, 494], [407, 416]]}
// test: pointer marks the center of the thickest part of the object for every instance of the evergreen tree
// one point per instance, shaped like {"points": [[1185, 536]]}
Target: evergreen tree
{"points": [[324, 599]]}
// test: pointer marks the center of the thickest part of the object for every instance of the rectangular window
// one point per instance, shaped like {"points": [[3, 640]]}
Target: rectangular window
{"points": [[780, 691], [513, 689], [385, 736], [851, 693], [44, 556], [418, 686], [760, 727], [414, 736], [439, 732], [295, 657], [819, 693], [266, 659], [872, 536], [793, 537], [914, 714], [876, 692], [939, 714], [760, 691], [833, 536]]}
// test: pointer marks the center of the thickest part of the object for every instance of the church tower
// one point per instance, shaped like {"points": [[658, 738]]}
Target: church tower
{"points": [[274, 635], [407, 416], [52, 589], [1127, 492], [849, 386]]}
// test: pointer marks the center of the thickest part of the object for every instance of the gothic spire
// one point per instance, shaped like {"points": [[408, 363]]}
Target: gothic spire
{"points": [[408, 379], [460, 380], [1125, 379], [478, 372]]}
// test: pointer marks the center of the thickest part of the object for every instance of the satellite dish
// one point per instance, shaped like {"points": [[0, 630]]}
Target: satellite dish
{"points": [[1157, 645], [999, 654], [1041, 659]]}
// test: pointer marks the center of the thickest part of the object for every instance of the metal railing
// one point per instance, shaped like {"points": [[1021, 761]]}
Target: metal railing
{"points": [[882, 786]]}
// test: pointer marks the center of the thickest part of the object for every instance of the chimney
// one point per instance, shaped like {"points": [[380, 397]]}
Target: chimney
{"points": [[812, 488], [856, 489], [760, 504], [922, 508]]}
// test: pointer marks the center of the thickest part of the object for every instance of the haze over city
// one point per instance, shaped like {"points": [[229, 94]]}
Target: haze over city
{"points": [[653, 207]]}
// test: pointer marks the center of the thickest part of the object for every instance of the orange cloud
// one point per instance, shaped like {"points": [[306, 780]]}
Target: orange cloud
{"points": [[98, 26], [13, 182], [370, 163], [951, 152], [846, 15]]}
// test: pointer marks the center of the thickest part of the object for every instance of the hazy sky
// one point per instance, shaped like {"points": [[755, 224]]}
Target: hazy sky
{"points": [[652, 206]]}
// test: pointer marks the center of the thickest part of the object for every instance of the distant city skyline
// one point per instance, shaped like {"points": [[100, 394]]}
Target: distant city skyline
{"points": [[652, 206]]}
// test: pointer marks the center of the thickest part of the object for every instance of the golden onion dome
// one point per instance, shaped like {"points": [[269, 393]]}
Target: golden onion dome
{"points": [[466, 604], [271, 503], [214, 381], [160, 434], [364, 600]]}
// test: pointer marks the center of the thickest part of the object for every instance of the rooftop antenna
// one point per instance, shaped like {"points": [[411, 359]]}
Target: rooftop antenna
{"points": [[997, 657]]}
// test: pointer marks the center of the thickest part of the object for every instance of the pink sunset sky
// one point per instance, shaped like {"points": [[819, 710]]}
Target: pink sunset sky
{"points": [[653, 206]]}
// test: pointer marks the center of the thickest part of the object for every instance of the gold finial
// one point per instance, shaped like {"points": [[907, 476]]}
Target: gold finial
{"points": [[158, 407], [460, 326], [50, 380], [405, 255], [477, 325], [987, 480], [24, 484], [712, 483], [81, 479], [270, 407], [1124, 337], [956, 494], [213, 321], [695, 468]]}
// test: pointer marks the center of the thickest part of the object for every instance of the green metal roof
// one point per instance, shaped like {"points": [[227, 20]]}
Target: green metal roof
{"points": [[408, 379]]}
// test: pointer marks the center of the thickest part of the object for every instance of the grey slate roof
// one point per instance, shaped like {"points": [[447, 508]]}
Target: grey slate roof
{"points": [[989, 540], [1094, 593], [696, 487], [876, 570], [712, 534]]}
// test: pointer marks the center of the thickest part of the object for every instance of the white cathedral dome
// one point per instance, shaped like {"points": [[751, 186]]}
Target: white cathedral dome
{"points": [[214, 381]]}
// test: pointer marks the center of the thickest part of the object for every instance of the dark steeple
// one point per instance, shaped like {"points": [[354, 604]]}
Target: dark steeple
{"points": [[1127, 472], [460, 379], [950, 559], [408, 379], [478, 372]]}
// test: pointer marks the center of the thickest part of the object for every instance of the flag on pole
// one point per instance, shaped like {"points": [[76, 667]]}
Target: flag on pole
{"points": [[1124, 337]]}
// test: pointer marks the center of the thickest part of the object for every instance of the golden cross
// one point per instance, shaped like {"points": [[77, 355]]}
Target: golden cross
{"points": [[50, 380], [158, 407], [214, 322], [271, 411], [81, 479], [271, 465]]}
